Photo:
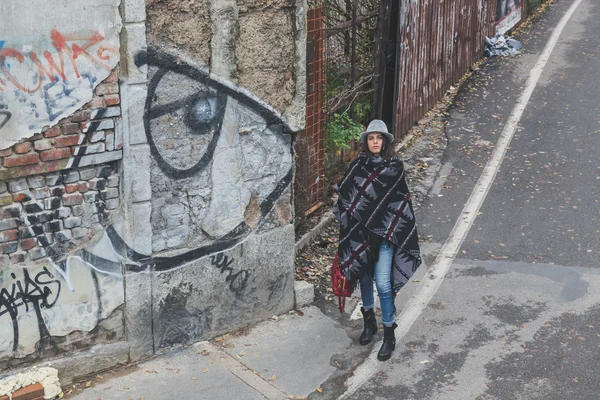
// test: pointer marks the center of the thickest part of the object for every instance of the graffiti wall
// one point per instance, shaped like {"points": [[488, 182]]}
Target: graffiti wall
{"points": [[50, 64], [61, 247], [146, 163]]}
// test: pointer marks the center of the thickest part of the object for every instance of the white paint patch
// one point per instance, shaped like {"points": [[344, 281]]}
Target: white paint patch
{"points": [[55, 52], [433, 280]]}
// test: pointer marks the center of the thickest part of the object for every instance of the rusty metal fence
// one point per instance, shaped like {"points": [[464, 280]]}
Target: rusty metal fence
{"points": [[309, 182], [420, 50], [438, 40]]}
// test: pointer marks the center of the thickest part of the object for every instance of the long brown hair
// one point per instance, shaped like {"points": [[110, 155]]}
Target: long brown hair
{"points": [[386, 149]]}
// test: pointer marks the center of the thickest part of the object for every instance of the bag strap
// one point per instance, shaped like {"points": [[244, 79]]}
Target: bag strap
{"points": [[341, 303], [342, 299]]}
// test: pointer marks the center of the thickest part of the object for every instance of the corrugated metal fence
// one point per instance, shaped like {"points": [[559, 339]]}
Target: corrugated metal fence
{"points": [[438, 41]]}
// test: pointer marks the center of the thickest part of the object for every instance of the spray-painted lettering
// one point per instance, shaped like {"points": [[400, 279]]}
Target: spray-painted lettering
{"points": [[69, 50], [37, 293]]}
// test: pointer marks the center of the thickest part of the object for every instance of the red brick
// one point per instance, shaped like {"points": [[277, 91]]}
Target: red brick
{"points": [[8, 236], [5, 153], [113, 77], [9, 248], [80, 116], [25, 159], [22, 148], [35, 137], [69, 129], [66, 141], [112, 100], [31, 392], [96, 102], [71, 188], [56, 154], [82, 187], [104, 89], [52, 132], [27, 244]]}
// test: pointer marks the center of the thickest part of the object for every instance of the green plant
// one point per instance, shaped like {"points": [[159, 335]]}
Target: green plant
{"points": [[341, 130]]}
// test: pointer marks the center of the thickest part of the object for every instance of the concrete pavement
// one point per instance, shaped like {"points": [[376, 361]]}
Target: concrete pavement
{"points": [[516, 316]]}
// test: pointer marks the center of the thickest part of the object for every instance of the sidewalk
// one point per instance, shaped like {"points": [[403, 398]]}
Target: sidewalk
{"points": [[285, 357]]}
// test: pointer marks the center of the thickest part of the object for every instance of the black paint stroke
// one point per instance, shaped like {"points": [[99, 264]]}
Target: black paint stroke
{"points": [[142, 261], [8, 116], [169, 263], [98, 294]]}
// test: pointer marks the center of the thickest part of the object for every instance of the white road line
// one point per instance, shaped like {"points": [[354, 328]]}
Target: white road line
{"points": [[433, 279], [439, 182]]}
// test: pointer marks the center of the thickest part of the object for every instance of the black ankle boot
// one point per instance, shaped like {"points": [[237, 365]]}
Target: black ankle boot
{"points": [[370, 326], [389, 343]]}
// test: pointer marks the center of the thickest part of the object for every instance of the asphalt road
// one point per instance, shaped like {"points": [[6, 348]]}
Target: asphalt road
{"points": [[518, 314]]}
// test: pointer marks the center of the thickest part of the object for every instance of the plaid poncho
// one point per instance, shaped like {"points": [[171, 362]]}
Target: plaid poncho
{"points": [[374, 204]]}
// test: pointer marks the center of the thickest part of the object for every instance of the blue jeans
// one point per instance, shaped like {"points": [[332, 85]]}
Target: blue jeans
{"points": [[383, 281]]}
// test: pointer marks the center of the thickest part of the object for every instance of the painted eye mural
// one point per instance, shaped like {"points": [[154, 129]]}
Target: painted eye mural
{"points": [[183, 123], [211, 139]]}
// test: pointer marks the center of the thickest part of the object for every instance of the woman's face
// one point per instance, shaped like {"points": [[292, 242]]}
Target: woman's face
{"points": [[375, 142]]}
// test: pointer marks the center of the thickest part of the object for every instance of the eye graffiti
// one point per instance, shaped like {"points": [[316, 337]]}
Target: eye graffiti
{"points": [[184, 116], [202, 111]]}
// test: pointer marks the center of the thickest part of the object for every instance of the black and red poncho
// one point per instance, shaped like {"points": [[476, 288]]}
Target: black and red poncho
{"points": [[375, 204]]}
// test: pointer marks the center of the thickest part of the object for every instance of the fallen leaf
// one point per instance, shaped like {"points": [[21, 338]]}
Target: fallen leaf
{"points": [[320, 390], [272, 378]]}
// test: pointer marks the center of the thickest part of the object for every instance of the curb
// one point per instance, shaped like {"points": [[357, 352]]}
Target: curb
{"points": [[309, 236]]}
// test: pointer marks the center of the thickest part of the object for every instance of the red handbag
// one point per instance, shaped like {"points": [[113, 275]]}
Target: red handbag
{"points": [[341, 286]]}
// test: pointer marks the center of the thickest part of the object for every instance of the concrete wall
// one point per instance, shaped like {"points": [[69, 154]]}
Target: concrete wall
{"points": [[145, 186]]}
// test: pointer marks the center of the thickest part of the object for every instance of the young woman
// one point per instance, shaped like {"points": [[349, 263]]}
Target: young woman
{"points": [[378, 234]]}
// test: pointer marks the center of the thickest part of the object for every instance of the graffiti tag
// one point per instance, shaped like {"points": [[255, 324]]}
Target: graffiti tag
{"points": [[7, 115], [237, 281], [40, 292], [69, 48]]}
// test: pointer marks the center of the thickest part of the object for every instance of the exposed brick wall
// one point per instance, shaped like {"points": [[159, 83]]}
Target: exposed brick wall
{"points": [[51, 214], [77, 140]]}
